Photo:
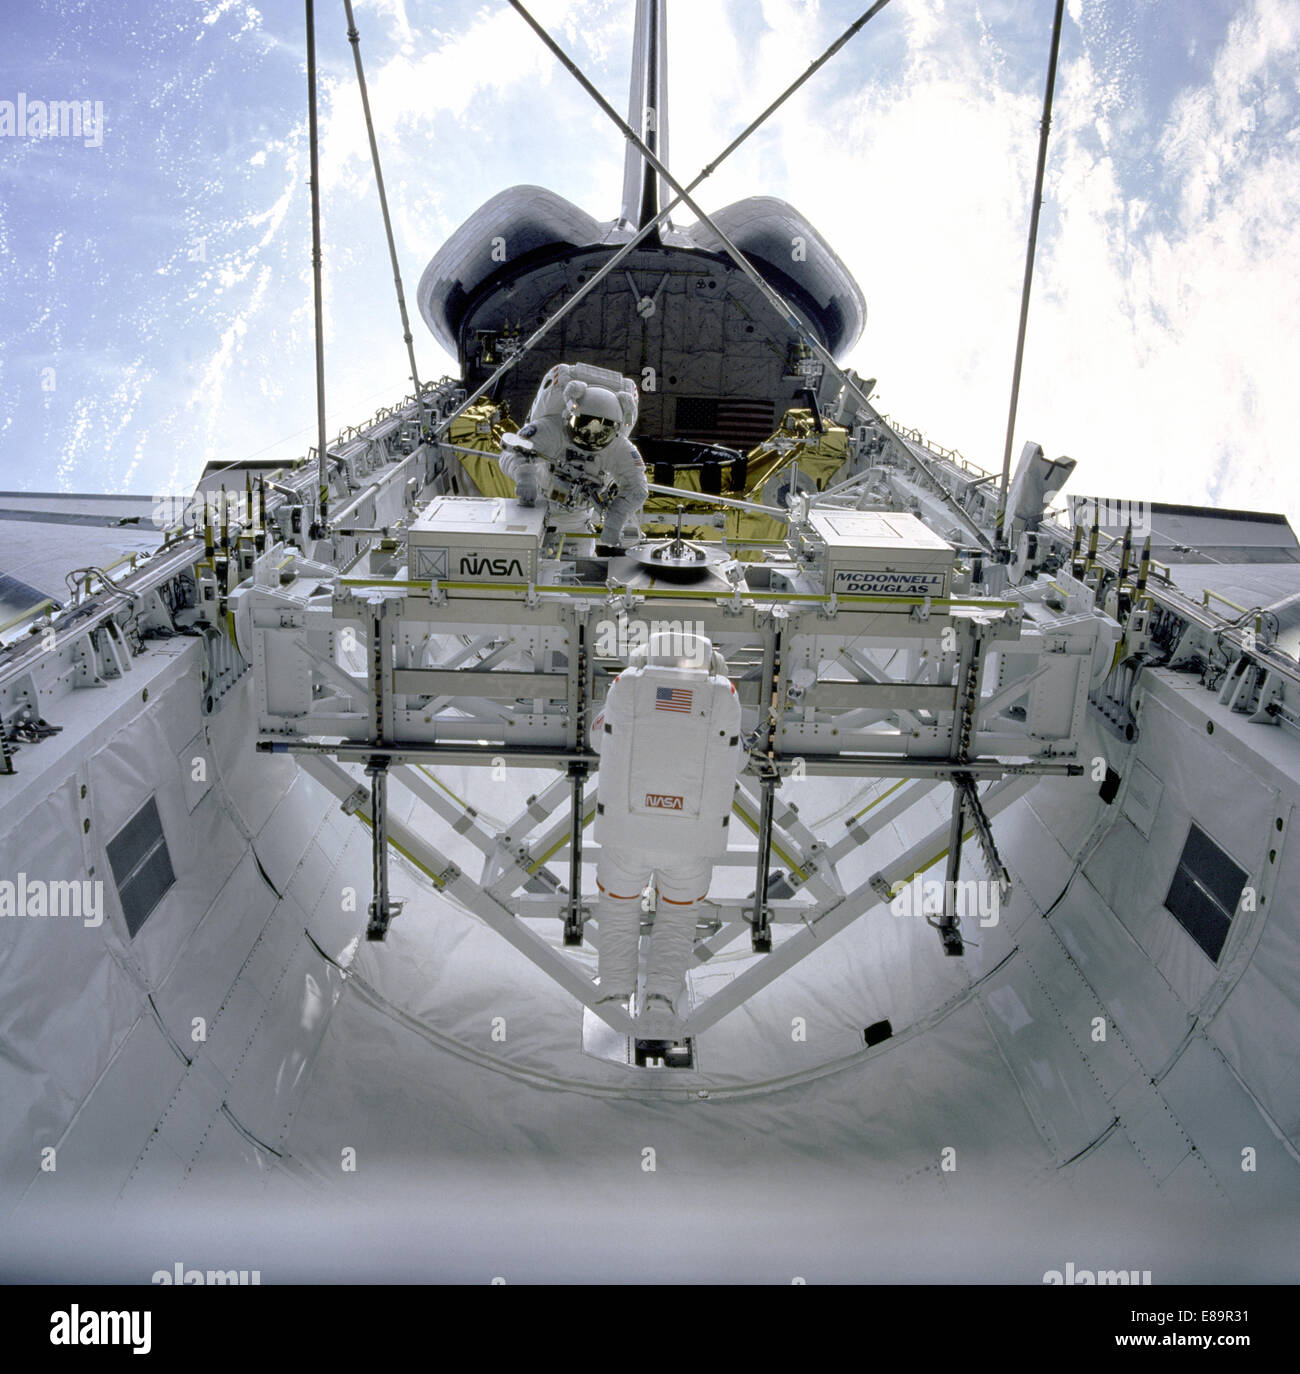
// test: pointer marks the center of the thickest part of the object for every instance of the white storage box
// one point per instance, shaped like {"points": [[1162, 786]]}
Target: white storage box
{"points": [[475, 539], [880, 553]]}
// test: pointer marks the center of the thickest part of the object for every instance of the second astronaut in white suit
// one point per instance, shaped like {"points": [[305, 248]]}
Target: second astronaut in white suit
{"points": [[669, 738], [575, 452]]}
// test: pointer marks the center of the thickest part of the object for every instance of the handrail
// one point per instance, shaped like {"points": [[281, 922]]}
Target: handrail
{"points": [[951, 454], [29, 614], [1208, 592], [422, 586]]}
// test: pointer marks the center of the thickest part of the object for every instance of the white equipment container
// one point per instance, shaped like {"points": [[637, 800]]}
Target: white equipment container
{"points": [[878, 553], [475, 539]]}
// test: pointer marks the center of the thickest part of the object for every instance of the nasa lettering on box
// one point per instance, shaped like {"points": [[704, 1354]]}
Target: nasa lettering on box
{"points": [[475, 539]]}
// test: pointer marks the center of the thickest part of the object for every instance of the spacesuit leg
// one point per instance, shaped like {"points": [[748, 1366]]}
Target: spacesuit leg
{"points": [[682, 883], [621, 879], [628, 493]]}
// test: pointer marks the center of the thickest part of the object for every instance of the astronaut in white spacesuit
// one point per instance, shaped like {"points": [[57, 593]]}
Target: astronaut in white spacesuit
{"points": [[670, 753], [574, 451]]}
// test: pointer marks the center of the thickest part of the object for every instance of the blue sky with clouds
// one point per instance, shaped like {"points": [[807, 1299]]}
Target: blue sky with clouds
{"points": [[155, 291]]}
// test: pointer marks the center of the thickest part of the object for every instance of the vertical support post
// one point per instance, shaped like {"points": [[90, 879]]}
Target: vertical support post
{"points": [[761, 934], [381, 910], [574, 918], [765, 746], [969, 672], [581, 671], [949, 931], [381, 661]]}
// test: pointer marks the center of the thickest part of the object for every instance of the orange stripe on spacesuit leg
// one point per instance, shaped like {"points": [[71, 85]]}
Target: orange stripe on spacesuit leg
{"points": [[614, 895]]}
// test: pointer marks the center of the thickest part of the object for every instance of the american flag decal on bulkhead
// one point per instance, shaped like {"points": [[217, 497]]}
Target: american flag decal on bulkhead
{"points": [[673, 699]]}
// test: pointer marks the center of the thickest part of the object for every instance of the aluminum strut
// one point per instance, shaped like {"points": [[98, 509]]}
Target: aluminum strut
{"points": [[765, 749], [970, 671], [761, 916], [984, 833], [580, 689], [706, 498], [574, 916], [949, 931], [382, 909], [853, 766]]}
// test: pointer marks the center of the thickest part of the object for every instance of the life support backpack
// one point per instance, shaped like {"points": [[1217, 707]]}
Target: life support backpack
{"points": [[670, 753], [566, 382]]}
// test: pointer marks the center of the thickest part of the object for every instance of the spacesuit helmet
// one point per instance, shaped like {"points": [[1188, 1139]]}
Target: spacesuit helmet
{"points": [[594, 419]]}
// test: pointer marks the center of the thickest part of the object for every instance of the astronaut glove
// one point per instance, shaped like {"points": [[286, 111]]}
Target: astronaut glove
{"points": [[526, 484]]}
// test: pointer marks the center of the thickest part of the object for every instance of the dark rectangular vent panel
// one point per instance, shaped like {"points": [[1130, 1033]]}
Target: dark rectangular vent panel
{"points": [[1205, 891], [142, 867]]}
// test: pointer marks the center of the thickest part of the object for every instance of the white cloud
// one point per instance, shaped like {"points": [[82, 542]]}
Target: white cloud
{"points": [[1163, 357], [1165, 326], [1161, 349]]}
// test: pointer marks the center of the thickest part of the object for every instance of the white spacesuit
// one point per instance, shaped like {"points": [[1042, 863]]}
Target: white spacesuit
{"points": [[670, 754], [575, 453]]}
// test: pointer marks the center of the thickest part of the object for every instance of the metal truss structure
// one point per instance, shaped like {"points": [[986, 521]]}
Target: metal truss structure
{"points": [[397, 674], [303, 577]]}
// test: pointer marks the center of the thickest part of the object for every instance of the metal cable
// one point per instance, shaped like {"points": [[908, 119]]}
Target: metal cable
{"points": [[314, 183], [355, 39], [1029, 268]]}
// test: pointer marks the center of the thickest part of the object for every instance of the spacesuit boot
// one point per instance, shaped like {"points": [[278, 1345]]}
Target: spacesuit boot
{"points": [[609, 545], [657, 1019], [681, 882]]}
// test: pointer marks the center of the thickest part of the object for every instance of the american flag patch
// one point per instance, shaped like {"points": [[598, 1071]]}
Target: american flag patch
{"points": [[673, 699]]}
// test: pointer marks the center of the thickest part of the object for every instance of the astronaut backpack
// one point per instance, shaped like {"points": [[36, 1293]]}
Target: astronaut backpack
{"points": [[670, 753], [566, 382]]}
